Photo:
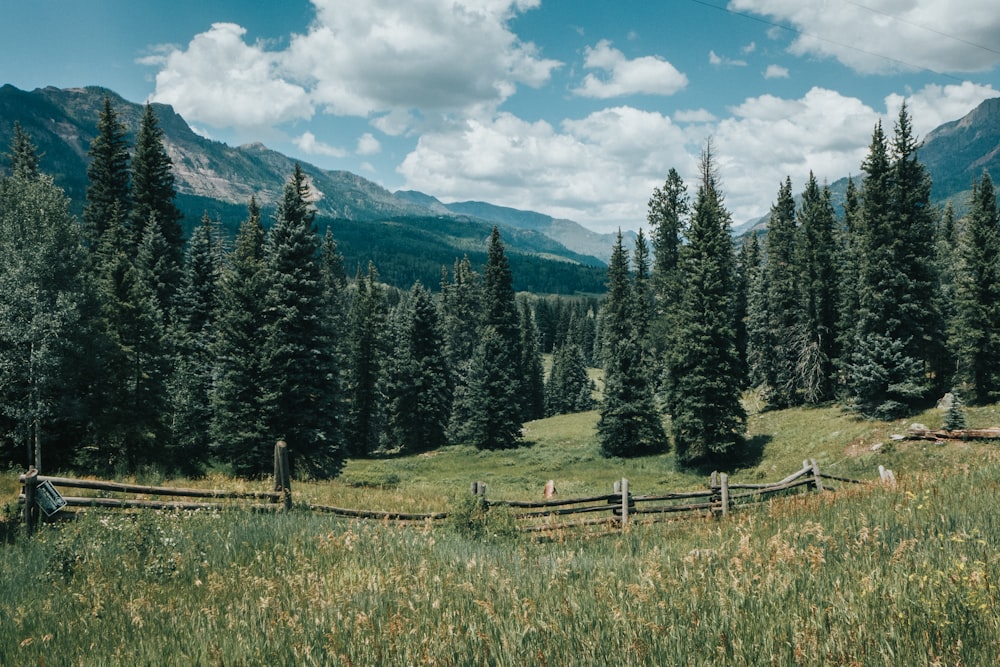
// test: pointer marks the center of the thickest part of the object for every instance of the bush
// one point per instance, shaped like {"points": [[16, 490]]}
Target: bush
{"points": [[473, 517]]}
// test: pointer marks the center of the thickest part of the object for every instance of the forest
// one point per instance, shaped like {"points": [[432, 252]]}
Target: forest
{"points": [[125, 346]]}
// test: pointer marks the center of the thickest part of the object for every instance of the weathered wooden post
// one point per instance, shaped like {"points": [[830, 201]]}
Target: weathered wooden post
{"points": [[282, 473], [625, 499], [817, 480], [724, 482], [478, 489], [31, 500]]}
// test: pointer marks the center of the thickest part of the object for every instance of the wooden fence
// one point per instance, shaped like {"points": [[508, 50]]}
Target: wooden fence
{"points": [[39, 495], [617, 508]]}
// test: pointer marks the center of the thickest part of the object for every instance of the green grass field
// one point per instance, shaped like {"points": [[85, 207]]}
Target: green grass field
{"points": [[868, 575]]}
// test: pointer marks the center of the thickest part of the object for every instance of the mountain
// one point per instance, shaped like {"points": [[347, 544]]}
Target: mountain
{"points": [[571, 234], [954, 154], [215, 178]]}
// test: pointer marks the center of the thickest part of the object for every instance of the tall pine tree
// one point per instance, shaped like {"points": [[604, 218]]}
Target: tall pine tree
{"points": [[240, 433], [299, 360], [367, 349], [976, 332], [629, 424], [707, 420], [108, 189]]}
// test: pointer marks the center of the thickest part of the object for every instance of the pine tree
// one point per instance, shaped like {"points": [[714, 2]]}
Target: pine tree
{"points": [[192, 332], [493, 411], [976, 332], [240, 433], [137, 366], [707, 420], [486, 423], [569, 388], [366, 416], [23, 156], [756, 315], [461, 315], [531, 371], [897, 291], [153, 191], [109, 190], [420, 385], [629, 424], [668, 209], [783, 278], [49, 328], [299, 359], [818, 260]]}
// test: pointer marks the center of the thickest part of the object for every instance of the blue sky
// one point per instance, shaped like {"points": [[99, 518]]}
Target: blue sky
{"points": [[573, 108]]}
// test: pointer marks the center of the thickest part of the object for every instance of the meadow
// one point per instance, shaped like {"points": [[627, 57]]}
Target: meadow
{"points": [[867, 575]]}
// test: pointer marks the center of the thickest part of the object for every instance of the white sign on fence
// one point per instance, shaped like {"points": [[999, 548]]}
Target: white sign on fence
{"points": [[48, 498]]}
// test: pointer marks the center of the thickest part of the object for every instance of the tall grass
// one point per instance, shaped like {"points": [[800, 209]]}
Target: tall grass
{"points": [[869, 575]]}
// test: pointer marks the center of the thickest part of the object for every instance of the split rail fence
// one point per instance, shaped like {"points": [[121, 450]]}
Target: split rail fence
{"points": [[615, 510]]}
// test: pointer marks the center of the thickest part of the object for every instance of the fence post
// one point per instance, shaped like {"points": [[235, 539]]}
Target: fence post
{"points": [[724, 481], [817, 480], [478, 489], [30, 500], [282, 473], [625, 499]]}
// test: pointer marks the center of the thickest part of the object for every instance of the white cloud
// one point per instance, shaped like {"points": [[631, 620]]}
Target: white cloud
{"points": [[955, 36], [376, 58], [935, 105], [368, 144], [598, 170], [776, 72], [601, 169], [308, 143], [722, 61], [222, 81], [645, 75]]}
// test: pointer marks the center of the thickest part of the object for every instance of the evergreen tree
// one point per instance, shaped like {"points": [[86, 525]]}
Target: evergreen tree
{"points": [[918, 303], [153, 190], [23, 156], [629, 424], [848, 279], [708, 422], [954, 418], [420, 393], [531, 371], [783, 278], [897, 351], [488, 424], [818, 282], [299, 359], [137, 365], [239, 430], [569, 388], [755, 349], [108, 191], [976, 332], [668, 210], [192, 333], [49, 329], [492, 395], [366, 416], [461, 314]]}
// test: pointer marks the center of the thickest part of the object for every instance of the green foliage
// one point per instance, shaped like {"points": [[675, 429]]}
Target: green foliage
{"points": [[492, 401], [472, 517], [366, 355], [153, 190], [108, 193], [569, 388], [955, 418], [707, 420]]}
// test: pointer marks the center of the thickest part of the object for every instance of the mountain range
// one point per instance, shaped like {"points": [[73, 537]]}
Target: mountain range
{"points": [[372, 223]]}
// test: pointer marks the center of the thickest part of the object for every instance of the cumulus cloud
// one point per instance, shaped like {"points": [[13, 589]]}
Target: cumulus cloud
{"points": [[722, 61], [776, 72], [379, 58], [308, 143], [601, 169], [368, 144], [648, 74], [956, 36], [223, 81], [598, 170]]}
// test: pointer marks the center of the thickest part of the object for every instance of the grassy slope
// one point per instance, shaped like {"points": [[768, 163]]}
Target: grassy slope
{"points": [[869, 575]]}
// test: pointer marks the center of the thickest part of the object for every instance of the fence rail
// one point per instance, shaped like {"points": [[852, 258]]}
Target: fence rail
{"points": [[620, 506]]}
